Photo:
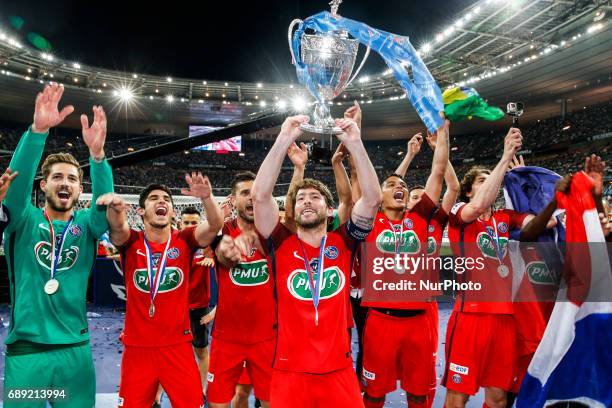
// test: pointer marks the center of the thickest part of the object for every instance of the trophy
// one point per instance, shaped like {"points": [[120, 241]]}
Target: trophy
{"points": [[329, 59]]}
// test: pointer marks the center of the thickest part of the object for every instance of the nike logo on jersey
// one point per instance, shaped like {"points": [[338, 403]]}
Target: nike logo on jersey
{"points": [[44, 226], [297, 256], [139, 252]]}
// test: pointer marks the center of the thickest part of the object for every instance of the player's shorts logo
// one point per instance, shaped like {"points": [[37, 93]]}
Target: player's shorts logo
{"points": [[487, 246], [173, 253], [332, 283], [456, 378], [540, 274], [410, 244], [331, 252], [431, 246], [250, 273], [210, 377], [75, 230], [172, 279], [368, 375], [456, 368], [66, 260], [502, 227]]}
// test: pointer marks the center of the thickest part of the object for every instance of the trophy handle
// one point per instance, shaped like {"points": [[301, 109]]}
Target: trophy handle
{"points": [[365, 57], [289, 35]]}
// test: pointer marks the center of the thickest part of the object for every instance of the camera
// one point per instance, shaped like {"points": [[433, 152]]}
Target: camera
{"points": [[514, 109]]}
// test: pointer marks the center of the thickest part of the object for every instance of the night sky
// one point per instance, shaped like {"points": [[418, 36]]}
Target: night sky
{"points": [[221, 40]]}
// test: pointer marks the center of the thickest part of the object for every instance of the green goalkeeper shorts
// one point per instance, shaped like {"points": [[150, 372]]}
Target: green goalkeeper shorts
{"points": [[64, 376]]}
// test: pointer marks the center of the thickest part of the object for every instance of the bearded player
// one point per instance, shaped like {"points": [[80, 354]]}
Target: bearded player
{"points": [[312, 363], [50, 254], [156, 265], [400, 339], [245, 322]]}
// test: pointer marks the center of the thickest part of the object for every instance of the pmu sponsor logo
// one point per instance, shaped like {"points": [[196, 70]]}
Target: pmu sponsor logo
{"points": [[67, 258], [487, 246], [410, 244], [250, 273], [431, 246], [172, 279], [539, 273], [456, 368], [331, 284]]}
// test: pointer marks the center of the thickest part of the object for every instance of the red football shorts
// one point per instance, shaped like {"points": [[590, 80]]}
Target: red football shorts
{"points": [[480, 352], [174, 367], [227, 363], [244, 376], [304, 390], [401, 348]]}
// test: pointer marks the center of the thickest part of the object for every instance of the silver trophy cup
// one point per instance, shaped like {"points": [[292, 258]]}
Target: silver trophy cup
{"points": [[330, 59]]}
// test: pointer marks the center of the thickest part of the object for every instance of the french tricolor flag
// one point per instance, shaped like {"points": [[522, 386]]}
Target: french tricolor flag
{"points": [[574, 359]]}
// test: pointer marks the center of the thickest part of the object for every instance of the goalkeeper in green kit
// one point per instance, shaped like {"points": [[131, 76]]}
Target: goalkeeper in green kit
{"points": [[50, 253]]}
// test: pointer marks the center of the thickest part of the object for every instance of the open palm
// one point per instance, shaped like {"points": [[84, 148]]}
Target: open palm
{"points": [[46, 112], [199, 186], [94, 136]]}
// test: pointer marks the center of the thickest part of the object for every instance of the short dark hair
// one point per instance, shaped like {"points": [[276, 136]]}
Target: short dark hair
{"points": [[388, 176], [314, 184], [190, 210], [416, 187], [468, 180], [145, 193], [240, 177]]}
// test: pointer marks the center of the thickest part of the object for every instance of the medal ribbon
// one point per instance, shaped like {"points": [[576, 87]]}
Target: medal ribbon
{"points": [[315, 286], [55, 255], [398, 242], [155, 280], [495, 240]]}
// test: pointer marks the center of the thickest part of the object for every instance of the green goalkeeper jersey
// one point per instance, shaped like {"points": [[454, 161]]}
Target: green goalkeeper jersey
{"points": [[36, 317]]}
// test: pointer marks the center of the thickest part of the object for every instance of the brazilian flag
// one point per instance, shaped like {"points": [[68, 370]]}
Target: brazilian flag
{"points": [[462, 102]]}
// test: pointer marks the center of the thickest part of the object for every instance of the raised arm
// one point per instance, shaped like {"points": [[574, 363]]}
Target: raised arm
{"points": [[366, 207], [433, 186], [487, 193], [343, 185], [412, 149], [199, 187], [450, 178], [116, 216], [264, 205], [101, 173], [299, 158], [30, 149]]}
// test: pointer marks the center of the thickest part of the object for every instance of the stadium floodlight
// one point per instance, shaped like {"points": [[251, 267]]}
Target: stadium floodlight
{"points": [[364, 79], [594, 27], [439, 38], [126, 94], [426, 48], [299, 104], [259, 85], [282, 104], [134, 76], [169, 98], [169, 79], [76, 65], [204, 83], [262, 104]]}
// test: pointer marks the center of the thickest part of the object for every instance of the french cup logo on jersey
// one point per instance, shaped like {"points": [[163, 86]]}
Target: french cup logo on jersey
{"points": [[331, 285], [250, 273], [172, 279], [331, 252], [75, 230], [487, 247], [66, 260], [539, 273], [410, 244]]}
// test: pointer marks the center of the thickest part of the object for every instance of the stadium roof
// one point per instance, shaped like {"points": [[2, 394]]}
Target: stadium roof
{"points": [[539, 52]]}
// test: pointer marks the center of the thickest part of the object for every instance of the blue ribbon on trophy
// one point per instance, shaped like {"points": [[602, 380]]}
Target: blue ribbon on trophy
{"points": [[396, 51]]}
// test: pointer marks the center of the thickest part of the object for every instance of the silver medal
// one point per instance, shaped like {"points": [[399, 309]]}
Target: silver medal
{"points": [[503, 270], [51, 286]]}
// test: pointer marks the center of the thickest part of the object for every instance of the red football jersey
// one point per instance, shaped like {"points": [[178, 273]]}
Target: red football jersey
{"points": [[477, 235], [302, 345], [246, 308], [170, 323], [435, 231], [413, 229], [199, 281]]}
